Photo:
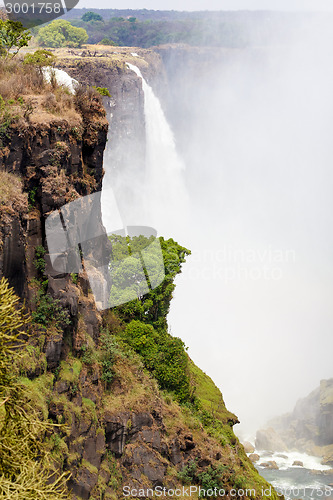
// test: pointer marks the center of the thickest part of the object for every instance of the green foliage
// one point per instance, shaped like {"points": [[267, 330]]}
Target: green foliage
{"points": [[102, 90], [146, 29], [208, 394], [210, 478], [240, 482], [89, 355], [129, 281], [109, 351], [25, 468], [40, 57], [13, 36], [61, 33], [39, 261], [74, 277], [91, 16], [49, 311], [32, 199], [146, 331], [107, 41], [163, 355], [188, 473], [216, 428]]}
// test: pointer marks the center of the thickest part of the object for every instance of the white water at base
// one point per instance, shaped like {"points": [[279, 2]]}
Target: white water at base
{"points": [[285, 460], [61, 77], [164, 191]]}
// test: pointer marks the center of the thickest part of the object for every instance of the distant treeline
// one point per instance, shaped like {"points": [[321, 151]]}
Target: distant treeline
{"points": [[146, 28]]}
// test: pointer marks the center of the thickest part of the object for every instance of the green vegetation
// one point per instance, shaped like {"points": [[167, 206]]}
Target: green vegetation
{"points": [[32, 197], [61, 33], [103, 91], [145, 328], [107, 41], [212, 477], [147, 28], [208, 394], [25, 468], [91, 16], [13, 36], [130, 278], [39, 261], [49, 311], [40, 58], [163, 355], [109, 350]]}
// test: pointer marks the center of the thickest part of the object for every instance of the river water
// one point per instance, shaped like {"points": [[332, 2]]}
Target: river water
{"points": [[312, 481]]}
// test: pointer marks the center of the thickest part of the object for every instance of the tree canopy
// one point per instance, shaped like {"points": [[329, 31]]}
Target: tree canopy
{"points": [[13, 36], [61, 33], [91, 16]]}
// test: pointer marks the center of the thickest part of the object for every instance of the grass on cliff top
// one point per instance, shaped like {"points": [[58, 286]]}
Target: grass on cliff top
{"points": [[26, 97]]}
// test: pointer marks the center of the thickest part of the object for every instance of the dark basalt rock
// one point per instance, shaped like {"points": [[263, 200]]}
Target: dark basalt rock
{"points": [[53, 348], [83, 482]]}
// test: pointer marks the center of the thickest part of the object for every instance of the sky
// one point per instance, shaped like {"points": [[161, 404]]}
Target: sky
{"points": [[192, 5]]}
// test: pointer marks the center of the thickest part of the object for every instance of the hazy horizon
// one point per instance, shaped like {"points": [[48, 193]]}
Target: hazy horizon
{"points": [[213, 5]]}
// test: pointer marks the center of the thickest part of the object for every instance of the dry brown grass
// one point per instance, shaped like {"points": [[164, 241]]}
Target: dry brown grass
{"points": [[12, 198], [10, 187], [26, 94], [18, 79], [134, 389]]}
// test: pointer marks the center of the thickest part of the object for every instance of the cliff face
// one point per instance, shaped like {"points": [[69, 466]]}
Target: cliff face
{"points": [[118, 428], [56, 167], [308, 428]]}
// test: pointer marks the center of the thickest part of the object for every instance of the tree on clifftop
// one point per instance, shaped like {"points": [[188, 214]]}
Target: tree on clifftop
{"points": [[13, 35], [62, 33]]}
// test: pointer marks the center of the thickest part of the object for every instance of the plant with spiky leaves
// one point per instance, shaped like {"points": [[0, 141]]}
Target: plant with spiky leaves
{"points": [[25, 466]]}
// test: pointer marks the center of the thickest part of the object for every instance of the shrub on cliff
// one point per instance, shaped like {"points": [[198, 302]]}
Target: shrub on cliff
{"points": [[163, 355], [62, 33], [40, 58], [107, 41]]}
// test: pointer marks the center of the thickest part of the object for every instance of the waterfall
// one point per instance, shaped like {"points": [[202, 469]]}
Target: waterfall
{"points": [[164, 196], [61, 77]]}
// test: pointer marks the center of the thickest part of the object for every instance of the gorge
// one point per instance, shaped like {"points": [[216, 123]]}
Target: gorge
{"points": [[119, 423]]}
